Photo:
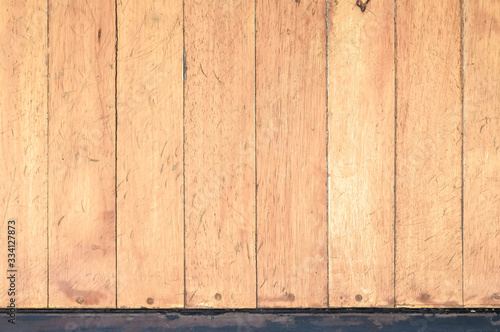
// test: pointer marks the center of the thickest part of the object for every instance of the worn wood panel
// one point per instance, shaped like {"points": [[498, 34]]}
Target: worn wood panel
{"points": [[149, 154], [82, 154], [429, 150], [220, 153], [23, 149], [482, 153], [291, 153], [361, 154]]}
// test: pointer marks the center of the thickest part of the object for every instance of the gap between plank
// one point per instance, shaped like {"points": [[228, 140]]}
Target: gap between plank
{"points": [[462, 83], [395, 138], [116, 153], [48, 159], [255, 149], [327, 167], [183, 149]]}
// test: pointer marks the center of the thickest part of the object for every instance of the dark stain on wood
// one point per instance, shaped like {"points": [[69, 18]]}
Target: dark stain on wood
{"points": [[362, 5], [425, 297], [90, 297]]}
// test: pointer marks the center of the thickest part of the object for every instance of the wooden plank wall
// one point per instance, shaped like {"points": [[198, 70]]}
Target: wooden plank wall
{"points": [[243, 154], [291, 172], [219, 153], [429, 150], [23, 148], [482, 153], [81, 172], [361, 154], [149, 154]]}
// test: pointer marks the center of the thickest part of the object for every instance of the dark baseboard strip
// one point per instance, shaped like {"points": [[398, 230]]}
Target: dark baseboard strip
{"points": [[362, 320]]}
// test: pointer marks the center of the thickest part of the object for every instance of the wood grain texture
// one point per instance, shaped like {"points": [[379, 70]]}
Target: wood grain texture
{"points": [[220, 153], [149, 151], [429, 150], [291, 153], [81, 154], [482, 154], [361, 154], [23, 149]]}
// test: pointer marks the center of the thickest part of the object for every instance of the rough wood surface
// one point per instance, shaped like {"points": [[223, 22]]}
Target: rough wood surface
{"points": [[219, 153], [291, 153], [361, 154], [482, 153], [82, 154], [252, 146], [429, 154], [149, 160], [23, 150]]}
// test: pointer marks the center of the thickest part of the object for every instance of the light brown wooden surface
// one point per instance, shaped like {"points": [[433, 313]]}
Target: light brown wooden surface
{"points": [[291, 153], [260, 156], [149, 155], [482, 154], [429, 154], [219, 153], [361, 154], [82, 154], [23, 150]]}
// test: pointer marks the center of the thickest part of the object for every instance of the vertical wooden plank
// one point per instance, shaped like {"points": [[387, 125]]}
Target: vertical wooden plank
{"points": [[429, 150], [482, 154], [23, 147], [291, 153], [361, 154], [220, 153], [81, 154], [150, 221]]}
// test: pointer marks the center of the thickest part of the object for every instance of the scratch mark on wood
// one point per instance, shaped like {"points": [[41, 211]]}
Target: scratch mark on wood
{"points": [[362, 5]]}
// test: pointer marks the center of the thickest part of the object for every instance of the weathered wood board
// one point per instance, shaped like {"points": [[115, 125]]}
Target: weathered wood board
{"points": [[81, 195], [150, 208], [219, 122], [428, 154], [291, 154], [361, 154]]}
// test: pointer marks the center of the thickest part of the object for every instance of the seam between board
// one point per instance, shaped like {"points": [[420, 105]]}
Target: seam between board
{"points": [[462, 81], [184, 149], [48, 155], [116, 154], [327, 162], [255, 156], [395, 144]]}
